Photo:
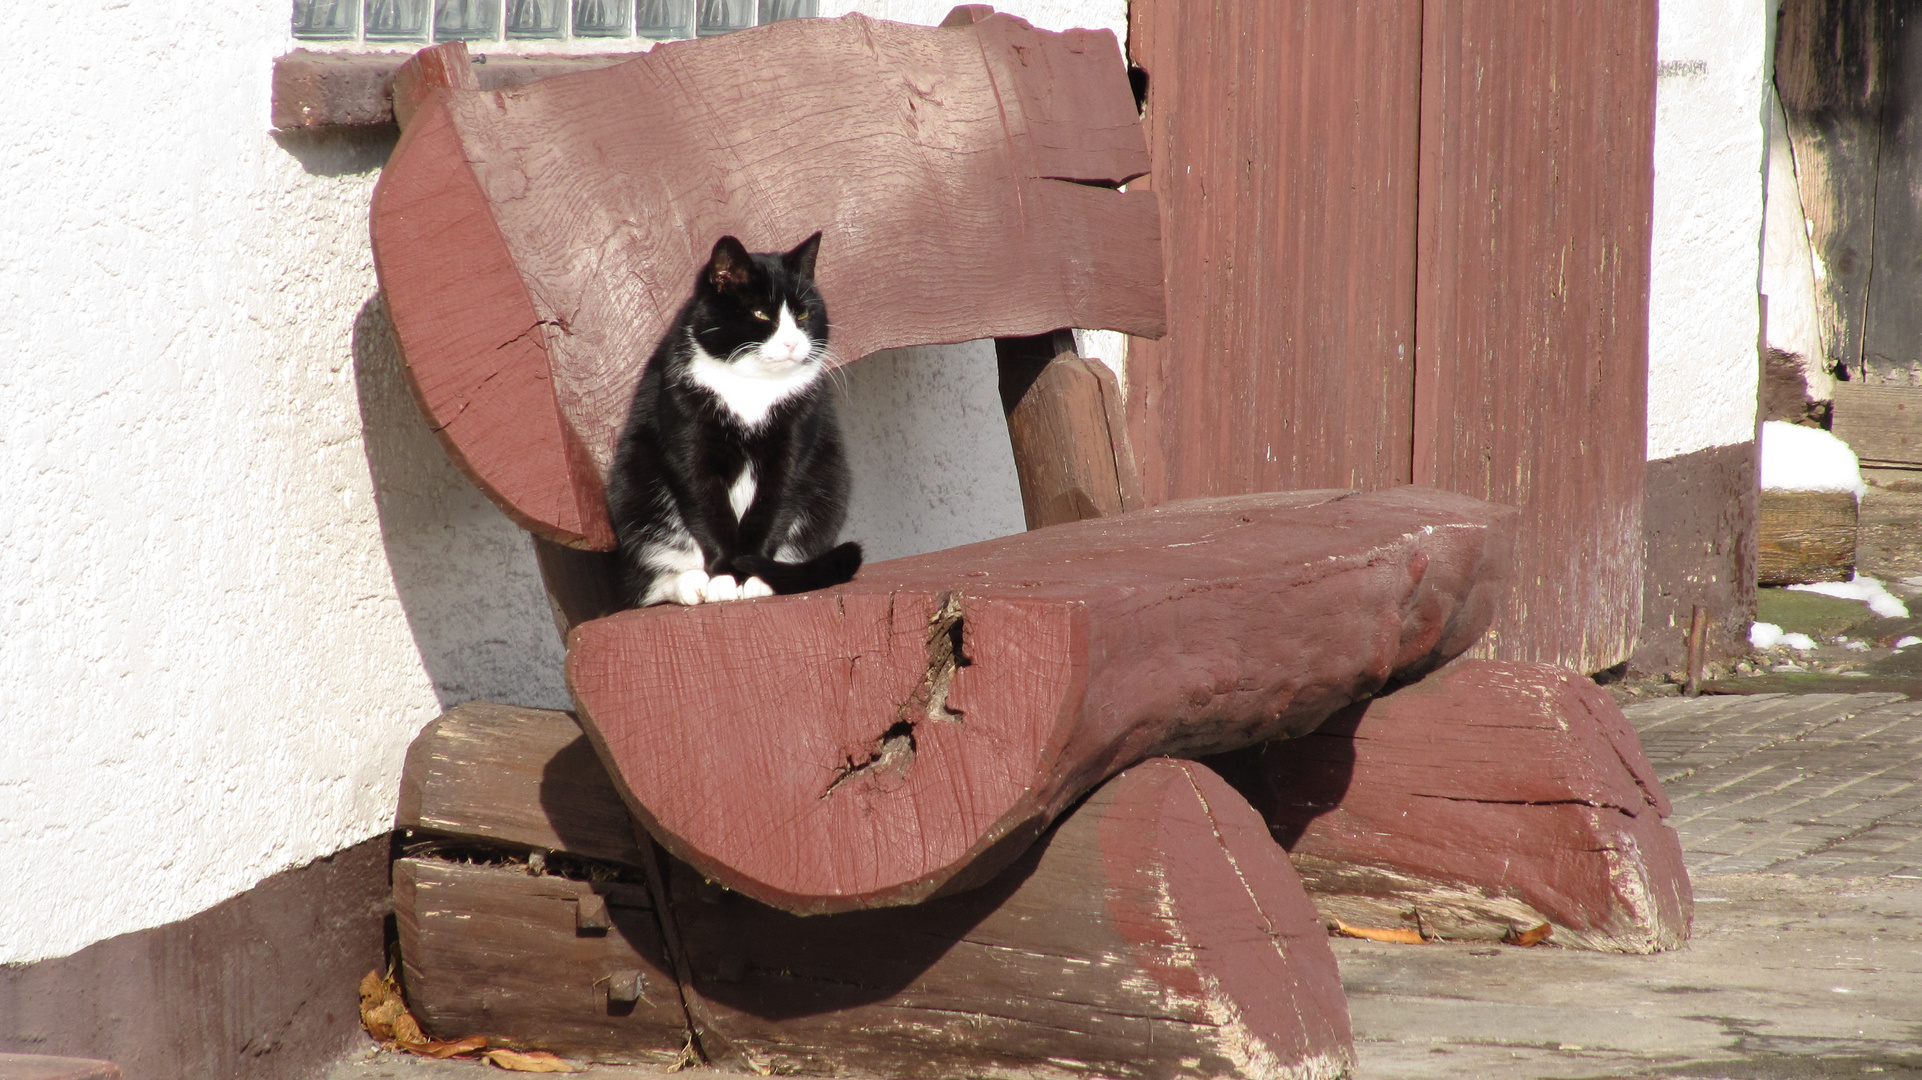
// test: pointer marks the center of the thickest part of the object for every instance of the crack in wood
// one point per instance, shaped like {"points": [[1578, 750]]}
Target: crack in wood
{"points": [[894, 751]]}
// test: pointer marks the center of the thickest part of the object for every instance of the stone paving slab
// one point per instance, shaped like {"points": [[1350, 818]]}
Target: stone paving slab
{"points": [[1816, 784]]}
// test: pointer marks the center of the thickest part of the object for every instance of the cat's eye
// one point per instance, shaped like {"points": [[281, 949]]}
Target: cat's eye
{"points": [[802, 317], [759, 314]]}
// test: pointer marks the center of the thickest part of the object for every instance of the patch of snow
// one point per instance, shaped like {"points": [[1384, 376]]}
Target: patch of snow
{"points": [[1905, 642], [1866, 589], [1797, 458], [1857, 646], [1767, 635]]}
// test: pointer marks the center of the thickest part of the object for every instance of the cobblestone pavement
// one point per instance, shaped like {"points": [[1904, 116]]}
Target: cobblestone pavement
{"points": [[1812, 785]]}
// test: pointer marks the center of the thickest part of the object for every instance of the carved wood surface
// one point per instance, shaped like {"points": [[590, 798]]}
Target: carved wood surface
{"points": [[913, 730], [1069, 430], [534, 243], [1480, 802], [1805, 536]]}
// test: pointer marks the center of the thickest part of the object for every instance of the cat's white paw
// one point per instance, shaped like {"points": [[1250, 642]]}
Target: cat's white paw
{"points": [[721, 587], [689, 587], [754, 588]]}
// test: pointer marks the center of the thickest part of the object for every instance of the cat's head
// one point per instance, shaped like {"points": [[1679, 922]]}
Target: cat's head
{"points": [[760, 311]]}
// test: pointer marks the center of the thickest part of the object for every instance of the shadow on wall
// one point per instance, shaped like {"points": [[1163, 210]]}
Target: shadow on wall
{"points": [[465, 574], [340, 151]]}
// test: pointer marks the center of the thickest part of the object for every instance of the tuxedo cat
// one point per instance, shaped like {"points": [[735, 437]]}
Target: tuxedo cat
{"points": [[730, 480]]}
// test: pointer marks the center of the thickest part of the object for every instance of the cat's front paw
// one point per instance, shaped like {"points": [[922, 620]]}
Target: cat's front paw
{"points": [[754, 588], [689, 587], [721, 587]]}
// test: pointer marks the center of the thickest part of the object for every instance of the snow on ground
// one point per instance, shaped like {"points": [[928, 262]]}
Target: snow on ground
{"points": [[1797, 458], [1866, 589], [1767, 635]]}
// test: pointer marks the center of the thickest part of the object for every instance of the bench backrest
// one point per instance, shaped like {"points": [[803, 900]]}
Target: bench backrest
{"points": [[534, 243]]}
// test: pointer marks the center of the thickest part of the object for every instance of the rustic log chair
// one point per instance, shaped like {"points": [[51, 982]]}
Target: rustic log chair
{"points": [[952, 708]]}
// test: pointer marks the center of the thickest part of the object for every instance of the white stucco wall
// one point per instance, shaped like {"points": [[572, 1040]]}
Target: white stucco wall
{"points": [[1788, 264], [1710, 152], [237, 572]]}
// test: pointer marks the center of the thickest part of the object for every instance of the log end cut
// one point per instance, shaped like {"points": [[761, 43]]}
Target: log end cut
{"points": [[1480, 803]]}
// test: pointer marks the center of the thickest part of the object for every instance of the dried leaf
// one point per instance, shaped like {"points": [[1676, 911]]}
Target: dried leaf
{"points": [[380, 1005], [1375, 933], [437, 1049], [531, 1061], [407, 1030], [1530, 938]]}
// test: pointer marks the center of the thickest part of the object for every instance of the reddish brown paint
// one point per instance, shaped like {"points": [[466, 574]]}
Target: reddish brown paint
{"points": [[1409, 240], [1284, 142], [1531, 384], [535, 243], [1187, 628]]}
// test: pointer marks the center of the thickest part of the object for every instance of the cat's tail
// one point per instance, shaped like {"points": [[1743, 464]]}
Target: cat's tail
{"points": [[832, 567]]}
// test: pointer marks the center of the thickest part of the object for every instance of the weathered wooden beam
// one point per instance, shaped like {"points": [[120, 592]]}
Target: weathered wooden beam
{"points": [[339, 89], [1069, 431], [537, 961], [1155, 931], [912, 731], [1805, 536], [1882, 424], [1479, 803]]}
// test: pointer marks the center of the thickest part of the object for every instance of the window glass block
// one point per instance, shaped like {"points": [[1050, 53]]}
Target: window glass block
{"points": [[601, 18], [325, 18], [663, 19], [536, 18], [722, 16], [774, 10], [396, 20], [466, 20]]}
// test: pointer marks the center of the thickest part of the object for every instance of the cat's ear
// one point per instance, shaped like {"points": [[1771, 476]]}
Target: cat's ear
{"points": [[800, 261], [729, 266]]}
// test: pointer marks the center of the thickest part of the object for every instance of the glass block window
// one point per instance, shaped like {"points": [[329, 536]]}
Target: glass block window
{"points": [[481, 21], [326, 19], [536, 18]]}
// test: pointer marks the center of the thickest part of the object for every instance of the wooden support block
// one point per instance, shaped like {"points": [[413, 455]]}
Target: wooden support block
{"points": [[1069, 431], [1157, 931], [1882, 424], [1805, 536], [536, 962], [912, 731], [1478, 803], [516, 779], [437, 67]]}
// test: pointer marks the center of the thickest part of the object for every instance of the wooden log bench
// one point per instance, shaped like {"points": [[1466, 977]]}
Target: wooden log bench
{"points": [[909, 733], [1156, 930]]}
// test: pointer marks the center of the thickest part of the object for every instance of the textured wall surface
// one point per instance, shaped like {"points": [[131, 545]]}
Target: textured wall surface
{"points": [[237, 572], [1710, 152]]}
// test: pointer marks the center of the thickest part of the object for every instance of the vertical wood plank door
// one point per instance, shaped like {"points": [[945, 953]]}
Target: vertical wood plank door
{"points": [[1283, 136], [1531, 380]]}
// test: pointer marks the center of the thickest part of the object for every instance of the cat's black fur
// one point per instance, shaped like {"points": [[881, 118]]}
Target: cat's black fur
{"points": [[701, 416]]}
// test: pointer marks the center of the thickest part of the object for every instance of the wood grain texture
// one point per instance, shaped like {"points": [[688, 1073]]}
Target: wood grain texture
{"points": [[1531, 373], [1069, 435], [1806, 536], [1831, 62], [438, 67], [1480, 802], [1157, 931], [517, 779], [1892, 325], [495, 951], [1882, 424], [1284, 139], [912, 731], [963, 177]]}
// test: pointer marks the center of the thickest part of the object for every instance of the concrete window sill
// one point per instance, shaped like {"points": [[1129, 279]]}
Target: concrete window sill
{"points": [[355, 90]]}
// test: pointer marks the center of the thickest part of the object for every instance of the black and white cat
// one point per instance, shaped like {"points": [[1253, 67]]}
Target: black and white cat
{"points": [[730, 480]]}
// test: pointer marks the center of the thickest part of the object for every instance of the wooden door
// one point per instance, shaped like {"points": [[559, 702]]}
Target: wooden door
{"points": [[1408, 241]]}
